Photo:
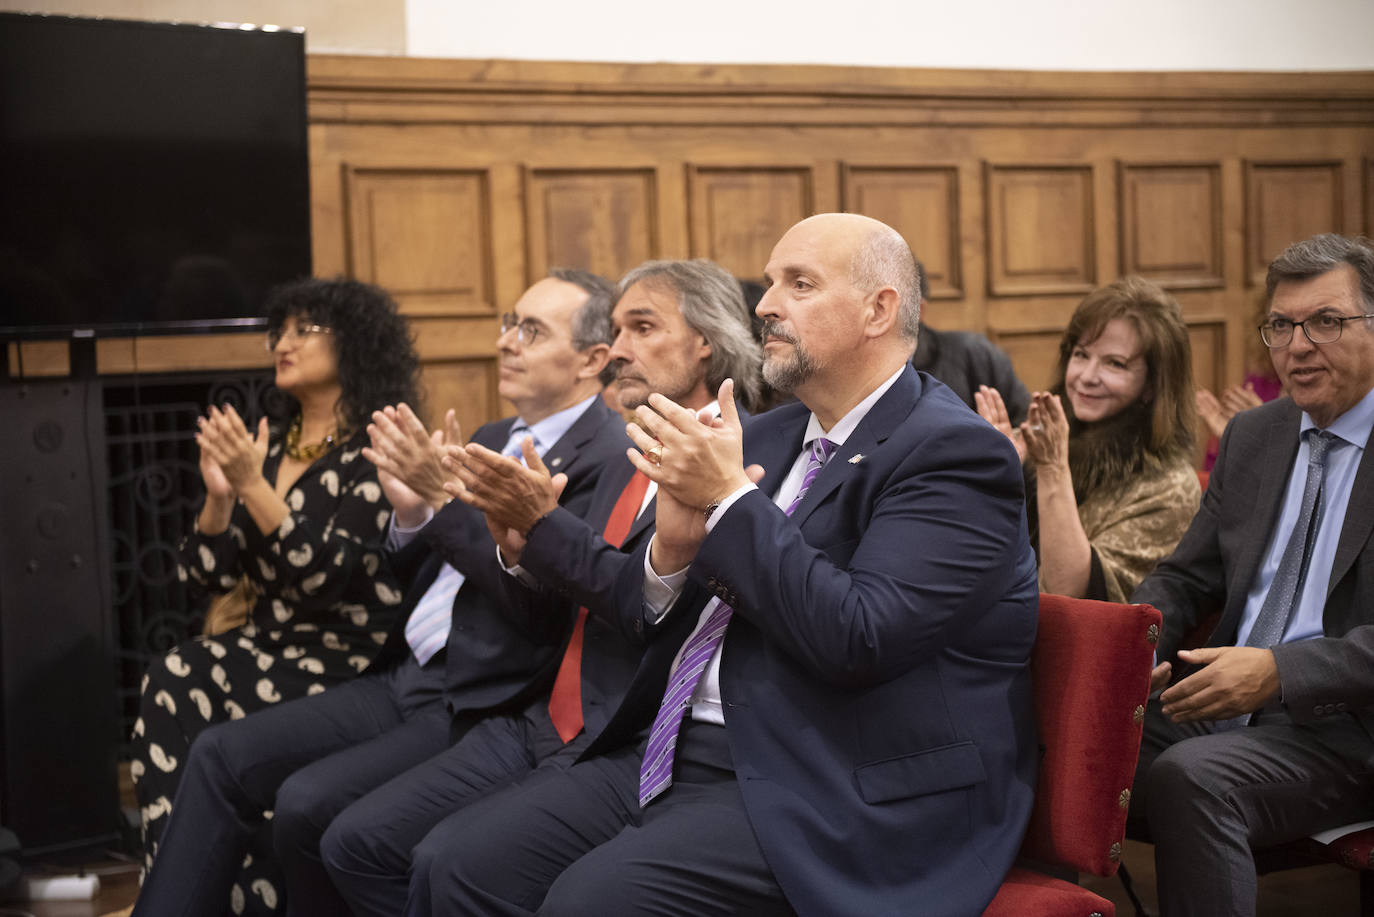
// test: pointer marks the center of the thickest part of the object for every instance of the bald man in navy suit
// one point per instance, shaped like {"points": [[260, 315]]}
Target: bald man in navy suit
{"points": [[836, 696]]}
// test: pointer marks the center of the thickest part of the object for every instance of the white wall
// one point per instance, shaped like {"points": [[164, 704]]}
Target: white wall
{"points": [[991, 34]]}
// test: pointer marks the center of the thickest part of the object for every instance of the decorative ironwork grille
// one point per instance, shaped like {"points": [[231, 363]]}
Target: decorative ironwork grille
{"points": [[155, 493]]}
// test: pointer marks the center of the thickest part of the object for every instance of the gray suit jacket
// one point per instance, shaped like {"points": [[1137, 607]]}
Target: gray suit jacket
{"points": [[1219, 556]]}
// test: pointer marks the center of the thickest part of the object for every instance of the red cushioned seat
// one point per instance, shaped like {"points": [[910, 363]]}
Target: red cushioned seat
{"points": [[1091, 672]]}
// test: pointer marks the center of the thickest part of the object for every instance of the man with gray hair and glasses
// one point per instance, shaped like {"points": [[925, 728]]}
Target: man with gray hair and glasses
{"points": [[1264, 734]]}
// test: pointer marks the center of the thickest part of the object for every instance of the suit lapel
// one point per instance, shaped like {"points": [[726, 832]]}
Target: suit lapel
{"points": [[1275, 456], [776, 453], [892, 409], [564, 452], [1359, 521]]}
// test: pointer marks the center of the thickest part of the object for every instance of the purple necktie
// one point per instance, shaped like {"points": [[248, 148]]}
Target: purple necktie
{"points": [[656, 770]]}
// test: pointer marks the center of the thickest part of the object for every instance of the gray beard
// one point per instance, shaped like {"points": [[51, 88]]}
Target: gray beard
{"points": [[786, 374]]}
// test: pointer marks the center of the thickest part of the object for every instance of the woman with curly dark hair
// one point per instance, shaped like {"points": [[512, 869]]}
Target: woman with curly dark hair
{"points": [[292, 525]]}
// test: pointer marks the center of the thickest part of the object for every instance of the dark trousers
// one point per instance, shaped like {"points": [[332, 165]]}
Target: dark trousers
{"points": [[235, 770], [575, 842], [1210, 797], [367, 847]]}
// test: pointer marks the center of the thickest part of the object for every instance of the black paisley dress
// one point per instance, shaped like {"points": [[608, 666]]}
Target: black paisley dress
{"points": [[325, 600]]}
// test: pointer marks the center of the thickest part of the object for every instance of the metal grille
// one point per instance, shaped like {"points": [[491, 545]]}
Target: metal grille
{"points": [[155, 493]]}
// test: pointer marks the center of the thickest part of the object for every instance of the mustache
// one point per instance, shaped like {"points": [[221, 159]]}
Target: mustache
{"points": [[773, 329]]}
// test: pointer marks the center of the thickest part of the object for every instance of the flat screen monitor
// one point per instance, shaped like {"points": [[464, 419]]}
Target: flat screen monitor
{"points": [[153, 176]]}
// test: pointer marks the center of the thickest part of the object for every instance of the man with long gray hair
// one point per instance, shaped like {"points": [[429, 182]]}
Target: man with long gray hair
{"points": [[681, 329]]}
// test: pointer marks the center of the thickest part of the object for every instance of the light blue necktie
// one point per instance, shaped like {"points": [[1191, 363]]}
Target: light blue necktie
{"points": [[656, 770]]}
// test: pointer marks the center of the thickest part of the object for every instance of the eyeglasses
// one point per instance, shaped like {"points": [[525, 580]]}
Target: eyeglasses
{"points": [[526, 332], [1320, 329], [301, 333]]}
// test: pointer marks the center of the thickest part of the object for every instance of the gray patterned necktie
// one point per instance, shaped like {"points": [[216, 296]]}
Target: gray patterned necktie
{"points": [[1284, 591]]}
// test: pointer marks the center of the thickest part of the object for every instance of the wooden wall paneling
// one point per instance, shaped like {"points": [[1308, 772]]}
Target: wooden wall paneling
{"points": [[601, 220], [920, 202], [1034, 356], [1368, 181], [1040, 229], [1208, 342], [1171, 223], [1239, 295], [467, 386], [972, 253], [1106, 211], [1286, 202], [328, 177], [424, 235], [674, 230], [1352, 183], [737, 214], [826, 193]]}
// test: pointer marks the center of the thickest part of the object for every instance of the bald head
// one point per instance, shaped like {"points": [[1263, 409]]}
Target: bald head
{"points": [[840, 310], [878, 257]]}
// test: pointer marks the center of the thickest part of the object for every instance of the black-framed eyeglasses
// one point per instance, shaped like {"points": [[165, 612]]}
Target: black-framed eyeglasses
{"points": [[526, 331], [300, 333], [1320, 329]]}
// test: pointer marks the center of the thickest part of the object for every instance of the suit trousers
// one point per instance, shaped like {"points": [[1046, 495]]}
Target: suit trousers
{"points": [[1211, 797], [235, 770], [368, 846], [576, 842]]}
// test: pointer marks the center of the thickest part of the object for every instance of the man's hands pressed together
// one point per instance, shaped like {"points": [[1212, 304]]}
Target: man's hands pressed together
{"points": [[700, 463]]}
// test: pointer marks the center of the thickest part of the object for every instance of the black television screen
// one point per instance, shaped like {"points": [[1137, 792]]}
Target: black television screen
{"points": [[153, 177]]}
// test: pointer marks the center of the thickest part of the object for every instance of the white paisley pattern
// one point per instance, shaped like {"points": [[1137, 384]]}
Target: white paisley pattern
{"points": [[323, 592]]}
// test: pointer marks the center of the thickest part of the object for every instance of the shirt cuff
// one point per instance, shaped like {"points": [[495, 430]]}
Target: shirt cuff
{"points": [[517, 571], [660, 591], [398, 536], [725, 504]]}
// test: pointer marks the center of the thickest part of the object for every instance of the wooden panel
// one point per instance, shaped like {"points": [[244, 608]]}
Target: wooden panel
{"points": [[1171, 224], [1369, 197], [737, 215], [1033, 356], [424, 235], [1208, 340], [1040, 229], [1285, 203], [922, 203], [599, 220], [467, 386]]}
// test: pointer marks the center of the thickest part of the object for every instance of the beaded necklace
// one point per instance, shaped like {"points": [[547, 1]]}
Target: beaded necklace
{"points": [[311, 451]]}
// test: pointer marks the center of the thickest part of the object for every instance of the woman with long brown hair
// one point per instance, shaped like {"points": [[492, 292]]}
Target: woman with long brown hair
{"points": [[1107, 451]]}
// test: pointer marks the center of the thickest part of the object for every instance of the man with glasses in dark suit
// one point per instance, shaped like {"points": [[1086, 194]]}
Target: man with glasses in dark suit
{"points": [[1264, 735]]}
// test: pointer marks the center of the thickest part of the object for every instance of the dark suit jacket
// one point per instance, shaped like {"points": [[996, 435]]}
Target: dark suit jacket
{"points": [[496, 659], [569, 554], [875, 675], [1217, 560]]}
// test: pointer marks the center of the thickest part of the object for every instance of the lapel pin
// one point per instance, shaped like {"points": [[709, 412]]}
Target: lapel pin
{"points": [[554, 463], [856, 458]]}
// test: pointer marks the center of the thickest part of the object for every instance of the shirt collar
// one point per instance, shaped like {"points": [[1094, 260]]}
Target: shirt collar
{"points": [[846, 425], [551, 429], [1353, 426]]}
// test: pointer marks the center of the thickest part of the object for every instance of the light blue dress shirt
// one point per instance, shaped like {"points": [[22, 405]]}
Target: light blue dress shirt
{"points": [[1342, 461]]}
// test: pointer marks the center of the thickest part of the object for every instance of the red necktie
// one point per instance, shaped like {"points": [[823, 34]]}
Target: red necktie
{"points": [[565, 703]]}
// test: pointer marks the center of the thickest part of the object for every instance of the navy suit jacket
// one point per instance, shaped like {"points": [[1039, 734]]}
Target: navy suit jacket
{"points": [[494, 658], [875, 676]]}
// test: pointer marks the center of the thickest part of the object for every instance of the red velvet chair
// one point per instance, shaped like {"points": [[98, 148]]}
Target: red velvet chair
{"points": [[1091, 671]]}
